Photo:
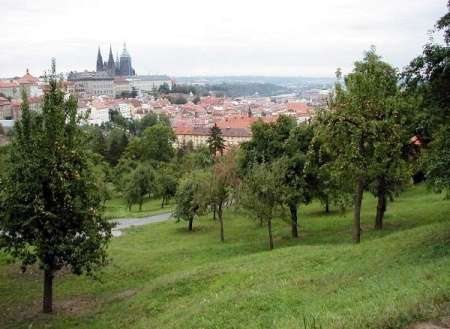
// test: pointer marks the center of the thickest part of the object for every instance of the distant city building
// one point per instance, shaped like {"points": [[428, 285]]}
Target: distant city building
{"points": [[12, 88], [86, 84], [148, 83], [198, 136], [120, 67]]}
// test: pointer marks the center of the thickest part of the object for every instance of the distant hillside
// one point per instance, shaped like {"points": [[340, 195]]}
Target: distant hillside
{"points": [[291, 82]]}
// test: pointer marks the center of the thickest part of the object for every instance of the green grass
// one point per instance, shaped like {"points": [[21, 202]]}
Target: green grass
{"points": [[162, 276], [117, 208]]}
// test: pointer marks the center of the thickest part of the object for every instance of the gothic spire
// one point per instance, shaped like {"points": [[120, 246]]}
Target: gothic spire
{"points": [[99, 61], [111, 65]]}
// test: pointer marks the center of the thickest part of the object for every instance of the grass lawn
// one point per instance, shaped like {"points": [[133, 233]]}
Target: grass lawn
{"points": [[117, 208], [162, 276]]}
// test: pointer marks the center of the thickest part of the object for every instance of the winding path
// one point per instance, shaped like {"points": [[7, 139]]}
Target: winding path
{"points": [[124, 223]]}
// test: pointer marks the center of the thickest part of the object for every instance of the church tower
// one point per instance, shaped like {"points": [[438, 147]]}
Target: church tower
{"points": [[126, 68], [111, 66], [99, 61]]}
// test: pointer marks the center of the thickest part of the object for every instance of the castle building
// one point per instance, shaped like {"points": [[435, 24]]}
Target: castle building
{"points": [[120, 67]]}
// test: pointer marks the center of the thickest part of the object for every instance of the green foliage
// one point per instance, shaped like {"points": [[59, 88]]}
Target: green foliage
{"points": [[428, 77], [167, 180], [215, 141], [223, 185], [139, 183], [192, 197], [364, 130], [437, 162], [261, 194], [157, 143], [50, 206]]}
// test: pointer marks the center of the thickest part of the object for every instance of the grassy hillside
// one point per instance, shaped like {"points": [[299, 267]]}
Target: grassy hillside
{"points": [[161, 276]]}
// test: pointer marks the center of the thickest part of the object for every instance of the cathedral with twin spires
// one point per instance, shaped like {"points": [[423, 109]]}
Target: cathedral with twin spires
{"points": [[120, 67]]}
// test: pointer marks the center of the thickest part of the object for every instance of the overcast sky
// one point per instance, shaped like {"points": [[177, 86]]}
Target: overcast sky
{"points": [[227, 37]]}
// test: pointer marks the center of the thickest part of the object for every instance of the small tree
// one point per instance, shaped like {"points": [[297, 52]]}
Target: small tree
{"points": [[216, 142], [166, 183], [224, 182], [191, 197], [261, 194], [50, 208], [140, 182]]}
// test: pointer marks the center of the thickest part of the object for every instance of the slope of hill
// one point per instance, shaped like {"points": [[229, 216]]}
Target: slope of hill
{"points": [[161, 276]]}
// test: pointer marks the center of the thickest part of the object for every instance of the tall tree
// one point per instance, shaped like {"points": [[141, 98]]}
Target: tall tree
{"points": [[216, 142], [50, 208], [428, 76], [352, 128]]}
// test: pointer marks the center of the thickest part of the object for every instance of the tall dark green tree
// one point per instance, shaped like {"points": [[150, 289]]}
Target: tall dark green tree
{"points": [[50, 208], [216, 142], [428, 76], [358, 123]]}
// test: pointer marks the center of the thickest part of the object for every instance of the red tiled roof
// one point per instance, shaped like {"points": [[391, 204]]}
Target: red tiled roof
{"points": [[7, 84], [28, 79]]}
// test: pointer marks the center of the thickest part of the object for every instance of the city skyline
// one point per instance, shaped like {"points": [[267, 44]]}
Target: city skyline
{"points": [[301, 38]]}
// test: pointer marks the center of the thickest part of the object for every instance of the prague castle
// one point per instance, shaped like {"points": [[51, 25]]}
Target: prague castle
{"points": [[119, 67]]}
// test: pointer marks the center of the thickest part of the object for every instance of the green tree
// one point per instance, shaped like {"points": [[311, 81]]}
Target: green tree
{"points": [[224, 182], [298, 183], [353, 127], [139, 183], [437, 160], [331, 188], [50, 208], [287, 144], [157, 143], [191, 197], [117, 143], [216, 142], [428, 76], [167, 183], [261, 194]]}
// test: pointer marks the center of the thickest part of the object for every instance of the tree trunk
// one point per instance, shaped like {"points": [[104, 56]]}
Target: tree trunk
{"points": [[162, 202], [140, 206], [47, 302], [327, 206], [190, 224], [294, 220], [269, 226], [214, 212], [357, 214], [219, 213], [381, 205]]}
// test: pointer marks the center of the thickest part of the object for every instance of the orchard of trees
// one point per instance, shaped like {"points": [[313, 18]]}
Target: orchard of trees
{"points": [[382, 130]]}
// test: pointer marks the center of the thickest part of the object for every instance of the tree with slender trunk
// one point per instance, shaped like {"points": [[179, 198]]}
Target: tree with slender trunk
{"points": [[224, 182], [261, 195], [50, 205], [351, 129]]}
